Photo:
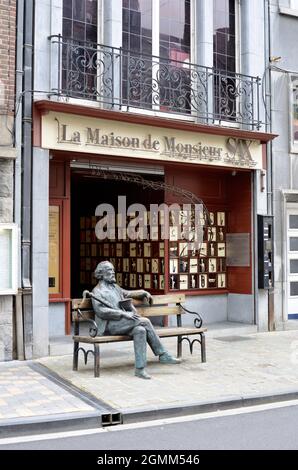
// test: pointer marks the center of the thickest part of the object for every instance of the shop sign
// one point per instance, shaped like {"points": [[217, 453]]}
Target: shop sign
{"points": [[90, 135]]}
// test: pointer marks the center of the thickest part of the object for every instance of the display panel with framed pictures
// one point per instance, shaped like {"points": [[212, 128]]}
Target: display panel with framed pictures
{"points": [[201, 263]]}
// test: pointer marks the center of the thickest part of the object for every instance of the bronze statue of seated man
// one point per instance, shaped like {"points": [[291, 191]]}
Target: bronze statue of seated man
{"points": [[116, 315]]}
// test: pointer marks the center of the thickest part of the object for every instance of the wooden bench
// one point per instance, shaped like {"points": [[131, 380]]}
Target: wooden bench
{"points": [[163, 305]]}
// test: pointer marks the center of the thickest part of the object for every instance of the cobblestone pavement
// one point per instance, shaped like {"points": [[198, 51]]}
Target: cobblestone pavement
{"points": [[25, 393], [237, 367]]}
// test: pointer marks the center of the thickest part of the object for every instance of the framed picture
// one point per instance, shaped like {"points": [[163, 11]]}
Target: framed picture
{"points": [[155, 265], [212, 247], [147, 281], [193, 265], [140, 281], [221, 281], [212, 265], [221, 250], [119, 249], [183, 282], [202, 265], [193, 281], [173, 234], [183, 250], [203, 281], [162, 250], [133, 249], [119, 279], [118, 265], [212, 218], [173, 282], [221, 235], [147, 250], [183, 218], [173, 250], [140, 265], [161, 217], [221, 219], [173, 266], [203, 249], [154, 232], [147, 266], [161, 282], [222, 264], [139, 250], [212, 281], [126, 280], [133, 280], [133, 265], [155, 282], [125, 265], [183, 266], [212, 234]]}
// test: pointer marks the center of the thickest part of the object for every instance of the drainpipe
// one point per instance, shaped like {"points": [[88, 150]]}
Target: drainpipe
{"points": [[270, 202], [18, 172], [27, 176]]}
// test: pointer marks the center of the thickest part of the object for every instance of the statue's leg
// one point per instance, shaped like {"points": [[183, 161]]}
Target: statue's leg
{"points": [[152, 338], [140, 346]]}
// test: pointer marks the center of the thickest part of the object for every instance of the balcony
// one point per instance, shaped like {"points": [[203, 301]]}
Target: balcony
{"points": [[119, 79]]}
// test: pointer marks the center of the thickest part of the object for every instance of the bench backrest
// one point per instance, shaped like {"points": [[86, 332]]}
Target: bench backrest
{"points": [[168, 304]]}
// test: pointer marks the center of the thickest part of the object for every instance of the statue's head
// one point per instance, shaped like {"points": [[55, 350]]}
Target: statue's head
{"points": [[105, 272]]}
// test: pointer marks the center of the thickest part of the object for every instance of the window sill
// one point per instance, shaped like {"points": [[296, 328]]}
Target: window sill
{"points": [[288, 12]]}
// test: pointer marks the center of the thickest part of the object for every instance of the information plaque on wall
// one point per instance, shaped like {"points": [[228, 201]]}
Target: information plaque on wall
{"points": [[238, 249], [54, 242], [8, 257]]}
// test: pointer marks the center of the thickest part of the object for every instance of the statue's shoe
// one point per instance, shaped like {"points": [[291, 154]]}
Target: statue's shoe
{"points": [[166, 358], [142, 374]]}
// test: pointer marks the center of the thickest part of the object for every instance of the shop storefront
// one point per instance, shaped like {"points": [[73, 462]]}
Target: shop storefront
{"points": [[122, 159]]}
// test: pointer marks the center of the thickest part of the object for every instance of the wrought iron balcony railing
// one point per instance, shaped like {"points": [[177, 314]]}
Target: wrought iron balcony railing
{"points": [[121, 79]]}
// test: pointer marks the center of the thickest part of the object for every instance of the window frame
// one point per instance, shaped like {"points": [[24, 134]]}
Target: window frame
{"points": [[292, 142], [14, 240]]}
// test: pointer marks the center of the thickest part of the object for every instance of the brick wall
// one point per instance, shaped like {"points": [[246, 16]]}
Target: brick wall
{"points": [[7, 55]]}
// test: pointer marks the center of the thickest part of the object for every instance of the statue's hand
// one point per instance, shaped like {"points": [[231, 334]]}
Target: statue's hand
{"points": [[148, 297]]}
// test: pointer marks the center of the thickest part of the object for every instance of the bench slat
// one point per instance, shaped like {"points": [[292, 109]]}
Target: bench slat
{"points": [[159, 311], [157, 300], [165, 332]]}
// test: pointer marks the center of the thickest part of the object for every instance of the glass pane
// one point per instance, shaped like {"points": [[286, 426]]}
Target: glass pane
{"points": [[293, 288], [294, 221], [294, 266], [293, 243], [91, 11], [67, 8], [79, 10]]}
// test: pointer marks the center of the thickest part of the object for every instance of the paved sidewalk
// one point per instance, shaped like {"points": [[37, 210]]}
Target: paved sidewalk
{"points": [[28, 397], [238, 368]]}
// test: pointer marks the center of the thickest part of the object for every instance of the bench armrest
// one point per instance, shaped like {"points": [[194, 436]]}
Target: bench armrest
{"points": [[93, 330], [197, 321]]}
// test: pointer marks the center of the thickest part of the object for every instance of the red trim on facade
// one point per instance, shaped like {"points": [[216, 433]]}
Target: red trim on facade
{"points": [[44, 106]]}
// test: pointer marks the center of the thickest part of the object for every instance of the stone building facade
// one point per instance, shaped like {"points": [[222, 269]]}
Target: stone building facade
{"points": [[7, 154]]}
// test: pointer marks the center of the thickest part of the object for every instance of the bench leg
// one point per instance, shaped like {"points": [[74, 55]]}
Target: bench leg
{"points": [[96, 360], [179, 346], [75, 356], [203, 347]]}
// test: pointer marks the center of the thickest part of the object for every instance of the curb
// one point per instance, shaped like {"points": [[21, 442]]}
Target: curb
{"points": [[138, 415], [51, 423]]}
